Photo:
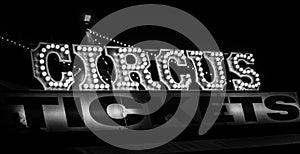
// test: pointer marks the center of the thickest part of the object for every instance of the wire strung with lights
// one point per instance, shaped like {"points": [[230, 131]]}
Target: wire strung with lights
{"points": [[107, 38], [12, 42]]}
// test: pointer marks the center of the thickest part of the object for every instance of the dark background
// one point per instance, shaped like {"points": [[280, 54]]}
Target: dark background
{"points": [[269, 31]]}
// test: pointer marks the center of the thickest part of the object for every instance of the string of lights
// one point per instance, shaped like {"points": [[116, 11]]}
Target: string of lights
{"points": [[13, 42], [107, 38]]}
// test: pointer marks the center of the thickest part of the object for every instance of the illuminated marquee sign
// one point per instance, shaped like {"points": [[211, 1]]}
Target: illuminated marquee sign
{"points": [[134, 71], [139, 64]]}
